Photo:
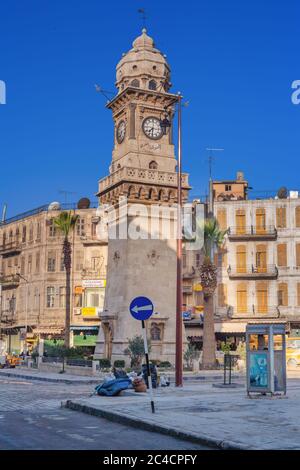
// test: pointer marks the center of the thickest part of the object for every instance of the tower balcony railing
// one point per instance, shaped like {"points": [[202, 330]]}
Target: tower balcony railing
{"points": [[268, 232], [142, 175], [11, 246], [252, 272]]}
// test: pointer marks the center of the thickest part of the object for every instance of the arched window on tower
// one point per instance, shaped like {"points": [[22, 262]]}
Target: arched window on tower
{"points": [[152, 85], [153, 165], [135, 83]]}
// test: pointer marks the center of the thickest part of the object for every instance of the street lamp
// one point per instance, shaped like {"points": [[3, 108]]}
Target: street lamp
{"points": [[26, 307]]}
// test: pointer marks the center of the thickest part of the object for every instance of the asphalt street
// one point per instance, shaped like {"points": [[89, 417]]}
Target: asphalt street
{"points": [[31, 418]]}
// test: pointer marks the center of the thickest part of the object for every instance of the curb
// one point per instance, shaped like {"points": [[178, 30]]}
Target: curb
{"points": [[46, 379], [153, 427]]}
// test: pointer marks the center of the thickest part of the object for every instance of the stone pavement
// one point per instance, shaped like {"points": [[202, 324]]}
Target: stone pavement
{"points": [[34, 374], [199, 412]]}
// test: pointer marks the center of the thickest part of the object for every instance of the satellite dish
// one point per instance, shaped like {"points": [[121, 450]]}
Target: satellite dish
{"points": [[282, 193], [54, 206], [83, 203]]}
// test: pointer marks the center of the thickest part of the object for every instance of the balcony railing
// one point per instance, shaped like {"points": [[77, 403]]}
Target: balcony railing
{"points": [[269, 271], [268, 232], [93, 273], [9, 280], [10, 246], [189, 274], [255, 312]]}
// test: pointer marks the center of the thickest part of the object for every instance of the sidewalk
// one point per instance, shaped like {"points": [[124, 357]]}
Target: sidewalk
{"points": [[212, 416], [34, 374]]}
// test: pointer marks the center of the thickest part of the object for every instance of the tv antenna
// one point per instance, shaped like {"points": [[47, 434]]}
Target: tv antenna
{"points": [[105, 93], [66, 194], [142, 12], [211, 158]]}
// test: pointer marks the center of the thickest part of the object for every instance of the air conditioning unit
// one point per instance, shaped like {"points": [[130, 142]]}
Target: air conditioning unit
{"points": [[76, 311]]}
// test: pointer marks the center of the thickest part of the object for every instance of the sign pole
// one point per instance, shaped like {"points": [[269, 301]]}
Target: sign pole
{"points": [[148, 366]]}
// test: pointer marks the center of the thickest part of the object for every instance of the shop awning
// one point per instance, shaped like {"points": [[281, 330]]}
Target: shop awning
{"points": [[84, 328], [230, 327], [48, 331]]}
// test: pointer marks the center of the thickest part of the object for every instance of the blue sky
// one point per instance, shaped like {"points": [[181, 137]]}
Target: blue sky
{"points": [[233, 61]]}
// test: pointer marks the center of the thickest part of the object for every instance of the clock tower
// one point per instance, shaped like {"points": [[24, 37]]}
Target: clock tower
{"points": [[143, 170]]}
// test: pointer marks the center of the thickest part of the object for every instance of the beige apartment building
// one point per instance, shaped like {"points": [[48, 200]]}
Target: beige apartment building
{"points": [[258, 267], [33, 279]]}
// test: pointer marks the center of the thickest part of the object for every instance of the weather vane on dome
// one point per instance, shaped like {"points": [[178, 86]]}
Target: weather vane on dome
{"points": [[142, 12]]}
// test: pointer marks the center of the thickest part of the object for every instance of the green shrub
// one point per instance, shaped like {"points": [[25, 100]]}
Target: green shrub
{"points": [[165, 364], [104, 363], [136, 350], [119, 364]]}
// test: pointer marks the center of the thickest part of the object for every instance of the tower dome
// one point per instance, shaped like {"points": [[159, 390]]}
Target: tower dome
{"points": [[143, 66]]}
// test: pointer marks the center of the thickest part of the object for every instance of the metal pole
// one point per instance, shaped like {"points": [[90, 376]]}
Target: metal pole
{"points": [[0, 315], [178, 359], [148, 366]]}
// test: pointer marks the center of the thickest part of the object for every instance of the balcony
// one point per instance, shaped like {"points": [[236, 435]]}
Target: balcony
{"points": [[269, 271], [93, 273], [9, 281], [12, 246], [95, 240], [253, 312], [252, 233]]}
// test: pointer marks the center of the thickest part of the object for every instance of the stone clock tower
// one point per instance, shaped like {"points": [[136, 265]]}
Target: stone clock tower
{"points": [[143, 170]]}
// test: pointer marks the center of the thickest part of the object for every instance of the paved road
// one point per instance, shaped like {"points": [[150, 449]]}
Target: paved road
{"points": [[31, 418]]}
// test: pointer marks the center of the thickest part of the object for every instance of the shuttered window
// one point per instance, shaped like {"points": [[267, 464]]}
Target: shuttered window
{"points": [[297, 216], [222, 295], [261, 258], [260, 220], [298, 294], [240, 221], [282, 255], [298, 254], [262, 297], [222, 219], [283, 294], [241, 258], [281, 217], [241, 298]]}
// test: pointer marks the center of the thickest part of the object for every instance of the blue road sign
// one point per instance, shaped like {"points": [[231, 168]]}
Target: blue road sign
{"points": [[141, 308]]}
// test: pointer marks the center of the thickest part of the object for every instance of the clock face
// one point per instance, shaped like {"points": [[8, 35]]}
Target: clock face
{"points": [[152, 128], [121, 131]]}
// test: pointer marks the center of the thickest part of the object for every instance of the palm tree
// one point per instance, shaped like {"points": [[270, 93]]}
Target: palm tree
{"points": [[65, 222], [213, 240]]}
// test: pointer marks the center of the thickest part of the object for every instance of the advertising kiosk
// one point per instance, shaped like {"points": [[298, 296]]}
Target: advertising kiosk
{"points": [[266, 358]]}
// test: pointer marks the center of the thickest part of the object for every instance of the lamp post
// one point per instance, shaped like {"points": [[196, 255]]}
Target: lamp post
{"points": [[165, 123], [178, 358], [26, 308]]}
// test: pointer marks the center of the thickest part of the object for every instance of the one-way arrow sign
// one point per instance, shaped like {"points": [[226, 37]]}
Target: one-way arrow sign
{"points": [[141, 308]]}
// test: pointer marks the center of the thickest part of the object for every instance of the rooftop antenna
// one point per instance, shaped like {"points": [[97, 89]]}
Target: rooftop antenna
{"points": [[105, 93], [66, 194], [142, 12], [210, 162], [4, 212]]}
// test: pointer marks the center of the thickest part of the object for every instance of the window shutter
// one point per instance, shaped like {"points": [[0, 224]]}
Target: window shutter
{"points": [[240, 220], [281, 255], [297, 216], [281, 217], [241, 298], [222, 295], [283, 294], [262, 298], [298, 254], [298, 294], [222, 219]]}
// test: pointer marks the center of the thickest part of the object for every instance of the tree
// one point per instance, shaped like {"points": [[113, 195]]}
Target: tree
{"points": [[65, 222], [135, 350], [213, 240], [191, 354]]}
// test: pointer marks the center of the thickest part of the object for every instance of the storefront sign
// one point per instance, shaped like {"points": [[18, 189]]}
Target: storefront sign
{"points": [[89, 312], [94, 283], [197, 288], [78, 290]]}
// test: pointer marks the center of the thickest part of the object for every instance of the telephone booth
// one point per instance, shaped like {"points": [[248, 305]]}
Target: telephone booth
{"points": [[266, 358]]}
